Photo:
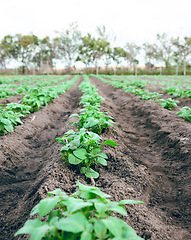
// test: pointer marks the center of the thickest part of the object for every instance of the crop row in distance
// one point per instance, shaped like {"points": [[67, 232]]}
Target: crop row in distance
{"points": [[137, 87], [36, 98], [86, 214], [8, 90]]}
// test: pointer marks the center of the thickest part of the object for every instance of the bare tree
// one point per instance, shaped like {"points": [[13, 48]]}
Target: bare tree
{"points": [[67, 44], [183, 49], [132, 51]]}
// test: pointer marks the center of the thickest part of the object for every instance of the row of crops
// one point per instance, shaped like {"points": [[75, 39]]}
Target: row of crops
{"points": [[87, 213], [12, 89], [35, 98], [138, 86]]}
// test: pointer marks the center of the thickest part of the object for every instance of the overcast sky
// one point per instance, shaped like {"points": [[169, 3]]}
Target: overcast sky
{"points": [[131, 21]]}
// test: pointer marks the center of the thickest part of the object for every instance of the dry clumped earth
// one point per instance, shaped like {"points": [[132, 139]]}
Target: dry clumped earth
{"points": [[151, 163]]}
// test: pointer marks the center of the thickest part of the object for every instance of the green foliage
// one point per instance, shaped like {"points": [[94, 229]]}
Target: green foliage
{"points": [[134, 86], [41, 96], [176, 91], [20, 109], [38, 97], [185, 112], [169, 103], [32, 101], [84, 215], [93, 120], [83, 148], [10, 117]]}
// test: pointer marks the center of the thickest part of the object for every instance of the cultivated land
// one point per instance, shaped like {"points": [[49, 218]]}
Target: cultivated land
{"points": [[151, 162]]}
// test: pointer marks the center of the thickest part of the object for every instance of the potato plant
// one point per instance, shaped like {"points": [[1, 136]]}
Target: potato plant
{"points": [[31, 102], [83, 148], [135, 87], [11, 115], [169, 103], [185, 113], [85, 215]]}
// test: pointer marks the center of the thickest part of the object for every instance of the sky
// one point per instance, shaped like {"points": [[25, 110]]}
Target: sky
{"points": [[135, 21], [130, 21]]}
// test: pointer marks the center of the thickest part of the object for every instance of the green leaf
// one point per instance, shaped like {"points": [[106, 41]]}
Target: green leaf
{"points": [[47, 204], [35, 210], [114, 206], [74, 160], [77, 204], [120, 229], [57, 192], [1, 126], [70, 132], [94, 136], [113, 225], [74, 115], [103, 155], [95, 151], [36, 228], [102, 161], [80, 153], [89, 172], [91, 121], [65, 148], [90, 189], [86, 236], [126, 201], [101, 209], [100, 229], [110, 142], [74, 223], [9, 127], [74, 144]]}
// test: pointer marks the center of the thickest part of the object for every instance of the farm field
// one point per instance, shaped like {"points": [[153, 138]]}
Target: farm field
{"points": [[151, 162]]}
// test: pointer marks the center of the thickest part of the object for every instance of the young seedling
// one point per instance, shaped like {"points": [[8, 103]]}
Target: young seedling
{"points": [[83, 148], [93, 120], [185, 112], [84, 215], [169, 103]]}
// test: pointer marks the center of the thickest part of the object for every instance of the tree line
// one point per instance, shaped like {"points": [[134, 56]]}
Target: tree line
{"points": [[69, 46]]}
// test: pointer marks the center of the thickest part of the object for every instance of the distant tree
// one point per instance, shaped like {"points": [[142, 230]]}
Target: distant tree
{"points": [[25, 47], [132, 50], [86, 50], [151, 54], [45, 53], [3, 58], [67, 45], [183, 49], [7, 50], [91, 50], [164, 49], [103, 46], [118, 54]]}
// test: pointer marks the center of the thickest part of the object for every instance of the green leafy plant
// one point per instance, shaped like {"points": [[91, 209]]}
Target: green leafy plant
{"points": [[84, 215], [83, 148], [185, 112], [21, 109], [8, 119], [169, 103], [38, 97], [93, 120]]}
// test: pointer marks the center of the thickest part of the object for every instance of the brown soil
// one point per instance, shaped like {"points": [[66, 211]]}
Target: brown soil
{"points": [[151, 163]]}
